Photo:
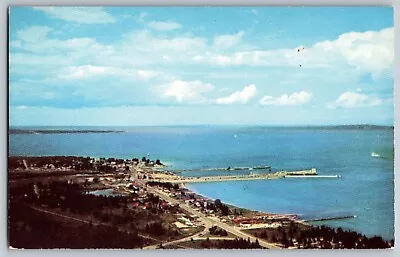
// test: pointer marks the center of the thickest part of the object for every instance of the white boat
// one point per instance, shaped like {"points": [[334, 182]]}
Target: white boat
{"points": [[373, 154]]}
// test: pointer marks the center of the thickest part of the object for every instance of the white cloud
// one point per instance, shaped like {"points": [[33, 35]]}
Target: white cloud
{"points": [[89, 71], [35, 39], [350, 99], [243, 96], [138, 48], [265, 58], [371, 51], [185, 90], [297, 98], [227, 41], [33, 33], [86, 15], [164, 25], [86, 71]]}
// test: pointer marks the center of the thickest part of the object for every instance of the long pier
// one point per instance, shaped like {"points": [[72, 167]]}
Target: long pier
{"points": [[333, 218], [229, 169], [276, 175]]}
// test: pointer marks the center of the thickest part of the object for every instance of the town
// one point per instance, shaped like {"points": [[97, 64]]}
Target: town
{"points": [[131, 203]]}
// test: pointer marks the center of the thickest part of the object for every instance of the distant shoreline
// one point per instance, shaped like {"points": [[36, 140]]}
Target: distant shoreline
{"points": [[60, 131], [84, 127], [122, 129]]}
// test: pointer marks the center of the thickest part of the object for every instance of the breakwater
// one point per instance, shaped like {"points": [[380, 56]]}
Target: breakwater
{"points": [[312, 176], [275, 175], [227, 169]]}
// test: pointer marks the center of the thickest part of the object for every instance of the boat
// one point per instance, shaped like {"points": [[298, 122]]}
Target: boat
{"points": [[373, 154]]}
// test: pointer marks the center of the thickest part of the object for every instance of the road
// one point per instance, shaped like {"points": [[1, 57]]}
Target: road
{"points": [[211, 222], [207, 222]]}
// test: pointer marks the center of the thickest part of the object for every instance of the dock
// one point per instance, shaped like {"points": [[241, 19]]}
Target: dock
{"points": [[333, 218], [276, 175], [228, 169], [312, 176]]}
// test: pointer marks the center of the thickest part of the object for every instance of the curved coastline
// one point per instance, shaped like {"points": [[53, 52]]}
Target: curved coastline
{"points": [[296, 217], [234, 205]]}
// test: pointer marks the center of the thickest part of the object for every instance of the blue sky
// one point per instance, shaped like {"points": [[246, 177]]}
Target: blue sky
{"points": [[226, 65]]}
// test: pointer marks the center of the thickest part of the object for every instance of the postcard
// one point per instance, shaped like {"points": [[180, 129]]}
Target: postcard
{"points": [[201, 128]]}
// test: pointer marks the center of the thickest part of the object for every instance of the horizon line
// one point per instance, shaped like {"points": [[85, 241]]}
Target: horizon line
{"points": [[217, 125]]}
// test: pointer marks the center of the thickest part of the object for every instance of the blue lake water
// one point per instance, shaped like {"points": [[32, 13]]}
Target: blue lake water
{"points": [[365, 188]]}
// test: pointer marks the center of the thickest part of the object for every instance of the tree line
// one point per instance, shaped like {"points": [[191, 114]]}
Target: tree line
{"points": [[321, 237]]}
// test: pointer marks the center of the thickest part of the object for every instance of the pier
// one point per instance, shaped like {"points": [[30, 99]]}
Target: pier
{"points": [[333, 218], [228, 169], [276, 175], [312, 176]]}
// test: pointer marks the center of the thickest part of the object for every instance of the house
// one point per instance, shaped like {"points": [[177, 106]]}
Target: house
{"points": [[245, 225], [185, 221]]}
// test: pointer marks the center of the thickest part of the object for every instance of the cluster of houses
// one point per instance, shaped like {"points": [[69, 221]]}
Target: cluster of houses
{"points": [[201, 203], [69, 163], [184, 221], [193, 200], [262, 219], [128, 183], [265, 221], [143, 203]]}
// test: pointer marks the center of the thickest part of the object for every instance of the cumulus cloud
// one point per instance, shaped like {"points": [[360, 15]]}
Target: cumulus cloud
{"points": [[371, 51], [164, 25], [297, 98], [227, 41], [85, 15], [350, 99], [185, 90], [144, 54], [242, 96], [265, 58]]}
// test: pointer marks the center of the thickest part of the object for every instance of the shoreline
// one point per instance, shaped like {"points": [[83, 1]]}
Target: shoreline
{"points": [[295, 217], [156, 175]]}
